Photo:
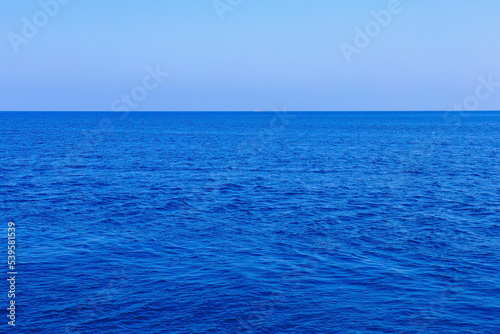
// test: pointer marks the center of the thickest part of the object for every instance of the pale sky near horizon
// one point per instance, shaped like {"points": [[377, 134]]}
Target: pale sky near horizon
{"points": [[263, 55]]}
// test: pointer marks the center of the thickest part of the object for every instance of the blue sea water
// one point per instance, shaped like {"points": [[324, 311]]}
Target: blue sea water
{"points": [[252, 222]]}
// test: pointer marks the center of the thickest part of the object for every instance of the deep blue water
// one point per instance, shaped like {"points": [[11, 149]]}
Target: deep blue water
{"points": [[253, 222]]}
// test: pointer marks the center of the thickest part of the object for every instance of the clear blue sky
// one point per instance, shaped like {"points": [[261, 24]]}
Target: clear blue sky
{"points": [[263, 55]]}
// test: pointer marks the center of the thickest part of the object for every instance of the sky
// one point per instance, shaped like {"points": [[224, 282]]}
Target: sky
{"points": [[222, 55]]}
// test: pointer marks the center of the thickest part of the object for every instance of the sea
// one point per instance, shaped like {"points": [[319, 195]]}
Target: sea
{"points": [[251, 222]]}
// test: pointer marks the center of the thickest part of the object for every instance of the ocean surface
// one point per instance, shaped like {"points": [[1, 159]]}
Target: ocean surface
{"points": [[252, 222]]}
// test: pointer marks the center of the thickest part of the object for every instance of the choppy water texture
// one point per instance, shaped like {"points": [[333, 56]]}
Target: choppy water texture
{"points": [[253, 222]]}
